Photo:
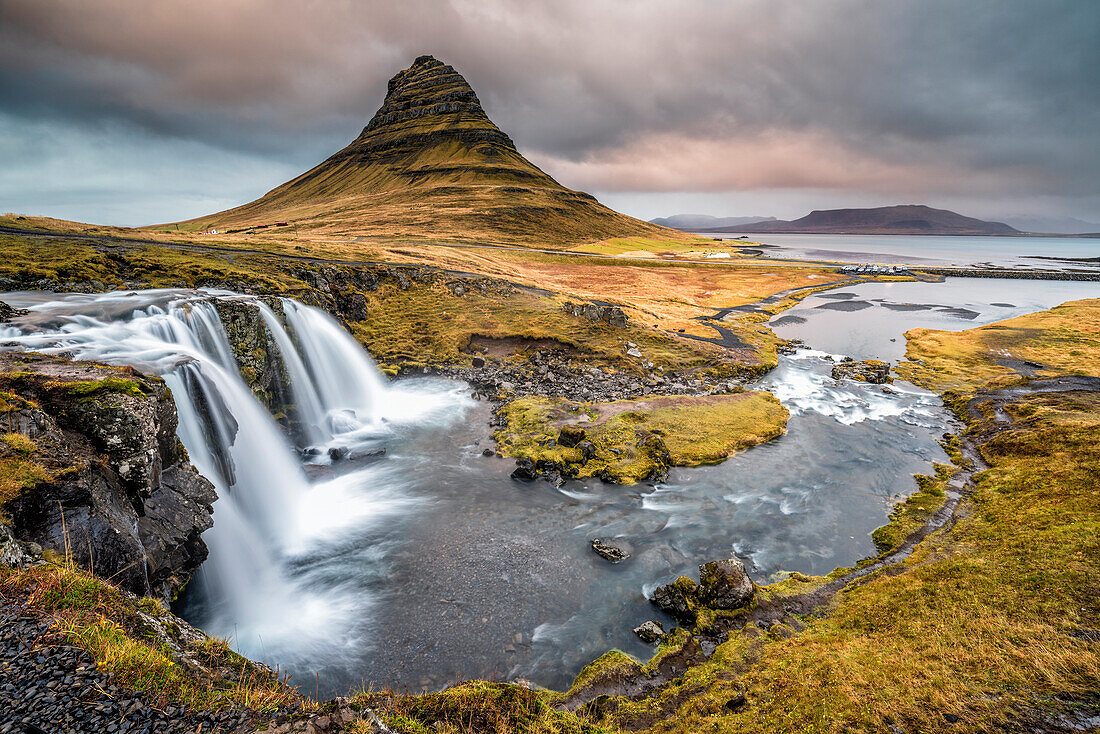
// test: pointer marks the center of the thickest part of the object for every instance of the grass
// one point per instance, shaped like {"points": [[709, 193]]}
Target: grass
{"points": [[114, 628], [1063, 340], [474, 708], [915, 510], [634, 438]]}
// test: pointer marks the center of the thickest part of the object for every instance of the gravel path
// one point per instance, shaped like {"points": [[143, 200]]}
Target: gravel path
{"points": [[49, 686]]}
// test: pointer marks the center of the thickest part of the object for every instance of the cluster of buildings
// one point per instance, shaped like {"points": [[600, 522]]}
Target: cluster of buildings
{"points": [[873, 269]]}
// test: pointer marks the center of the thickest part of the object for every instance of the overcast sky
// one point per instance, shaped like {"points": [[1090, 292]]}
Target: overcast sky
{"points": [[132, 112]]}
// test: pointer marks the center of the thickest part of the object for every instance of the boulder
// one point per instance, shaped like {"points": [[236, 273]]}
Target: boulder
{"points": [[868, 370], [610, 552], [650, 631], [725, 584], [525, 471], [679, 599]]}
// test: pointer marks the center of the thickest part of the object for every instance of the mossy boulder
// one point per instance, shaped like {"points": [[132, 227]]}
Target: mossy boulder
{"points": [[723, 585]]}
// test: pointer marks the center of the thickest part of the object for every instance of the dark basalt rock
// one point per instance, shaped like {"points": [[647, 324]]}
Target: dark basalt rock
{"points": [[525, 471], [119, 492], [609, 552], [7, 313], [679, 599]]}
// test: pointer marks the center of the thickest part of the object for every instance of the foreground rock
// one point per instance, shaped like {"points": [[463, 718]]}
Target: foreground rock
{"points": [[723, 585], [93, 468], [650, 631]]}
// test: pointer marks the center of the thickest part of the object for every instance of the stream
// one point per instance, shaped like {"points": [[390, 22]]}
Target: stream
{"points": [[428, 564]]}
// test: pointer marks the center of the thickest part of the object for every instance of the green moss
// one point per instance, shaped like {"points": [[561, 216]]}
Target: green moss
{"points": [[633, 439], [87, 390]]}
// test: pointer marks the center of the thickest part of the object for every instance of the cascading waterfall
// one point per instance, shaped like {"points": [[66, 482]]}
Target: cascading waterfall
{"points": [[256, 585]]}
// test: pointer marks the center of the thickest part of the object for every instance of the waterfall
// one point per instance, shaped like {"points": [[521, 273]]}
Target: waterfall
{"points": [[268, 515]]}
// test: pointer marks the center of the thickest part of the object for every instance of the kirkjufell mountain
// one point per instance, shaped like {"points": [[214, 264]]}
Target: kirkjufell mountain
{"points": [[431, 164]]}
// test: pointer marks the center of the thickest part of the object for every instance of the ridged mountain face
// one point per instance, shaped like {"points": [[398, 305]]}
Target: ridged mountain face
{"points": [[431, 164]]}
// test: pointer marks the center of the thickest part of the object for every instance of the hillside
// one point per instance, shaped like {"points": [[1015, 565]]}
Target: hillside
{"points": [[905, 219], [429, 165]]}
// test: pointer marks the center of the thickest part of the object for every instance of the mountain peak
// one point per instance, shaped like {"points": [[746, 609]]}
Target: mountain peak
{"points": [[430, 163]]}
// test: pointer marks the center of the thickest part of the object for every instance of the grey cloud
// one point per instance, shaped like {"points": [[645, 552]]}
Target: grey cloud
{"points": [[1000, 95]]}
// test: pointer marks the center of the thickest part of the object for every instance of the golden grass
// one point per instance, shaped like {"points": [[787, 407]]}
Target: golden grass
{"points": [[1063, 340], [98, 617]]}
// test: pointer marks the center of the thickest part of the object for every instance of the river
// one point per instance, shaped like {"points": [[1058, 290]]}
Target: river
{"points": [[429, 564]]}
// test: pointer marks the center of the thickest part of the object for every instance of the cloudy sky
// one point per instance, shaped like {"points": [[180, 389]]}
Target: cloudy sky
{"points": [[132, 112]]}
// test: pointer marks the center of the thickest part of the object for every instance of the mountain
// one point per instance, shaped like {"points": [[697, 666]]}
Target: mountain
{"points": [[1053, 225], [905, 219], [696, 222], [431, 164]]}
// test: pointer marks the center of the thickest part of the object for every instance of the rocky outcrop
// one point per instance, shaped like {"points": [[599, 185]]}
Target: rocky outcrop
{"points": [[257, 354], [95, 470], [867, 370], [723, 585], [606, 313]]}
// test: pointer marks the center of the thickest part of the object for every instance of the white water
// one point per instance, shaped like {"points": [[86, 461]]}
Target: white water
{"points": [[269, 519]]}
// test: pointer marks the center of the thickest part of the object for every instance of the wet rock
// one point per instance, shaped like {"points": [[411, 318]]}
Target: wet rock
{"points": [[7, 313], [366, 455], [609, 552], [570, 436], [338, 452], [487, 452], [724, 584], [868, 370], [525, 471], [679, 599], [478, 362], [649, 631]]}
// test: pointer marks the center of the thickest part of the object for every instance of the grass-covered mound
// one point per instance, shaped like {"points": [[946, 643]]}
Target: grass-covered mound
{"points": [[629, 440]]}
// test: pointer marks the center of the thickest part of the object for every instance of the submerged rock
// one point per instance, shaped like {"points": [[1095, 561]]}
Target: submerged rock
{"points": [[609, 552], [650, 631]]}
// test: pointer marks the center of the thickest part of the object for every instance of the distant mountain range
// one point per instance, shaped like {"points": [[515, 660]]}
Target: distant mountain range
{"points": [[1053, 225], [696, 222], [904, 219]]}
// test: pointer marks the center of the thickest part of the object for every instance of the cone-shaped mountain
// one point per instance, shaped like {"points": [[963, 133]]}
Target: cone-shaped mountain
{"points": [[431, 165]]}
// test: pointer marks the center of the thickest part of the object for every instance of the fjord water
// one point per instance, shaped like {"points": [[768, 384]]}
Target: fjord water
{"points": [[430, 564]]}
